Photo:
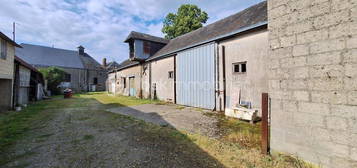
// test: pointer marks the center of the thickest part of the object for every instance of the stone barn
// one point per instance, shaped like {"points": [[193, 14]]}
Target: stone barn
{"points": [[84, 73]]}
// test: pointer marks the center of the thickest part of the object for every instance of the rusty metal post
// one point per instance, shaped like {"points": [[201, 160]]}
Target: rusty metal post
{"points": [[265, 124]]}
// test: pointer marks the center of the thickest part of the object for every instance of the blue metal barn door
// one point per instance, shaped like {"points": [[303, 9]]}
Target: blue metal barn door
{"points": [[195, 77]]}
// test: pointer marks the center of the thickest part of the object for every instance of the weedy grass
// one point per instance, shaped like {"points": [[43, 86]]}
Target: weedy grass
{"points": [[88, 137], [227, 153], [105, 99], [15, 125]]}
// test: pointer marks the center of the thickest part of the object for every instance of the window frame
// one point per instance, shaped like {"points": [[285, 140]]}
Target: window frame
{"points": [[67, 77], [3, 49], [171, 75], [240, 67], [95, 81]]}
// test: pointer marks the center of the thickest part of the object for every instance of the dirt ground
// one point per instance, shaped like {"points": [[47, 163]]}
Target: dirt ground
{"points": [[89, 136]]}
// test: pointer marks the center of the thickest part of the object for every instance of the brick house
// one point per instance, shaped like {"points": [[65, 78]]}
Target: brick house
{"points": [[7, 56]]}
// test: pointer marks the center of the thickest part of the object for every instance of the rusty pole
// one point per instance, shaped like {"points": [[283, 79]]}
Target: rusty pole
{"points": [[265, 124]]}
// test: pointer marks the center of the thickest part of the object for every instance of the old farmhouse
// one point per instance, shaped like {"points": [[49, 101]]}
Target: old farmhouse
{"points": [[83, 72], [7, 56], [299, 56], [202, 68]]}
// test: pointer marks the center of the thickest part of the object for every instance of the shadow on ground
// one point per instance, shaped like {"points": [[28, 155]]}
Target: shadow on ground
{"points": [[81, 133]]}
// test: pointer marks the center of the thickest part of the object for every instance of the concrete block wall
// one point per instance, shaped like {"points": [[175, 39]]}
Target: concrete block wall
{"points": [[313, 80]]}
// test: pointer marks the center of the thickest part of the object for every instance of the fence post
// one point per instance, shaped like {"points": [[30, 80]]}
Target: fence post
{"points": [[265, 124]]}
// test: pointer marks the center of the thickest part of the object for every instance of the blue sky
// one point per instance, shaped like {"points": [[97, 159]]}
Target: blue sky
{"points": [[99, 25]]}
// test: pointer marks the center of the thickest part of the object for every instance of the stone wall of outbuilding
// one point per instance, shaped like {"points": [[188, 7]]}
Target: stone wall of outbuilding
{"points": [[313, 80]]}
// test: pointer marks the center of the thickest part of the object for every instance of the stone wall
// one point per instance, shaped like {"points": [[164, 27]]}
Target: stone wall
{"points": [[164, 86], [124, 88], [313, 79], [251, 48]]}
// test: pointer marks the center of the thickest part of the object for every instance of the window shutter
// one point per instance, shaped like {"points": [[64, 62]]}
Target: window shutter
{"points": [[146, 47]]}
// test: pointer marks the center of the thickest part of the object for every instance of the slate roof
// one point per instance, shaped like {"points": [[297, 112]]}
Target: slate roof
{"points": [[143, 36], [254, 15], [126, 64], [112, 65], [3, 36], [25, 64], [48, 56]]}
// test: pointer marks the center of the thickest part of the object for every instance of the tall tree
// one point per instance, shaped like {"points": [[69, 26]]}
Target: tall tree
{"points": [[188, 18]]}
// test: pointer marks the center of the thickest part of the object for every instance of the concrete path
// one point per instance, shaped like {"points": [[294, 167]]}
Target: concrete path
{"points": [[183, 118]]}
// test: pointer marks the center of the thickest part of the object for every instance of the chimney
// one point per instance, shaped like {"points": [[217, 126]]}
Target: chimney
{"points": [[104, 62], [81, 50]]}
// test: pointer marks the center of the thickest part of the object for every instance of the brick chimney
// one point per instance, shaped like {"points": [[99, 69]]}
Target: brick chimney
{"points": [[104, 62], [81, 50]]}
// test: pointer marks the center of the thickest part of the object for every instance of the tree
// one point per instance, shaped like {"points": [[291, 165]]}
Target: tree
{"points": [[54, 77], [188, 18]]}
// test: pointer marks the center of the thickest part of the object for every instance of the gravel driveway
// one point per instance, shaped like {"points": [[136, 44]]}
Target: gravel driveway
{"points": [[82, 133], [184, 118]]}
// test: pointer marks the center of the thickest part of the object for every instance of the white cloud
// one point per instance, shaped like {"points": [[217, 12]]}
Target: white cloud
{"points": [[99, 25]]}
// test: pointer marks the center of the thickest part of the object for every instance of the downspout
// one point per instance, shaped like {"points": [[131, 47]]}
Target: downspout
{"points": [[15, 86], [141, 82], [175, 79], [150, 80], [215, 77], [224, 76], [219, 103]]}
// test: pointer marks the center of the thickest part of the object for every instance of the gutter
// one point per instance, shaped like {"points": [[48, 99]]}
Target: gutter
{"points": [[241, 30]]}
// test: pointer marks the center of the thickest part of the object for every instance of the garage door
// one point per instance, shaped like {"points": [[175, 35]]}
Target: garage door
{"points": [[195, 77]]}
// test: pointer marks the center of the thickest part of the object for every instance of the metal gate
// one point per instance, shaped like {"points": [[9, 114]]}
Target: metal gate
{"points": [[195, 73]]}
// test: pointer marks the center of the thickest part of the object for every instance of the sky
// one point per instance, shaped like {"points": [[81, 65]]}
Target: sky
{"points": [[100, 26]]}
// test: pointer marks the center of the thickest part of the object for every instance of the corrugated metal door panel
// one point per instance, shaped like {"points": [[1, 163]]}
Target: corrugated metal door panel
{"points": [[195, 77]]}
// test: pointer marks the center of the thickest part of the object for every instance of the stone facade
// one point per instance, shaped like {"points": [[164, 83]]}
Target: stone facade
{"points": [[161, 84], [251, 48], [124, 84], [313, 80]]}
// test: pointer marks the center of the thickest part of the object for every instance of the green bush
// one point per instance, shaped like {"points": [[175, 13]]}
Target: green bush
{"points": [[54, 77]]}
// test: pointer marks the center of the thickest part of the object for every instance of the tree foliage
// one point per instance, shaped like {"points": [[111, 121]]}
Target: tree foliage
{"points": [[54, 77], [188, 18]]}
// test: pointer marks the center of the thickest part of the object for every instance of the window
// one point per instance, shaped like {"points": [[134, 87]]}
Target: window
{"points": [[146, 47], [3, 49], [240, 67], [124, 81], [171, 74], [95, 81], [67, 77]]}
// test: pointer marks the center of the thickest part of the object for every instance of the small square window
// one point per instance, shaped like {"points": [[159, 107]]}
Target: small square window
{"points": [[67, 77], [240, 67], [171, 74]]}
